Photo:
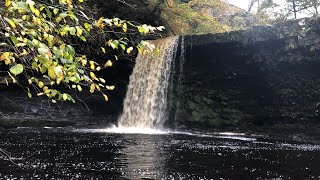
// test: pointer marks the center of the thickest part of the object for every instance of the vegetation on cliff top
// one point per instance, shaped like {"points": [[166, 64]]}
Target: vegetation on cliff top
{"points": [[201, 17]]}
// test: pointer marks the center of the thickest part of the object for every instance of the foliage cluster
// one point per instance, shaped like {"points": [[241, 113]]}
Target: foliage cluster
{"points": [[271, 11], [39, 46]]}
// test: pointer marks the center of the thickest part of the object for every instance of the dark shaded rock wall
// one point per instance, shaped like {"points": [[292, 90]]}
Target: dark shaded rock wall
{"points": [[235, 80]]}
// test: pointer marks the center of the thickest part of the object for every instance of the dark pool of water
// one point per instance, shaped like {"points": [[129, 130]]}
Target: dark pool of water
{"points": [[68, 154]]}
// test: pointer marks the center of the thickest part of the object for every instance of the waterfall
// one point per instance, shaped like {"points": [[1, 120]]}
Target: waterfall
{"points": [[178, 85], [145, 103]]}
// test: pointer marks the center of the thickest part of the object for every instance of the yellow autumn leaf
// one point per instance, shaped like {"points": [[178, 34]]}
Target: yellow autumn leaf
{"points": [[45, 88], [64, 96], [105, 97], [92, 66], [99, 23], [4, 56], [51, 73], [108, 64], [40, 84], [55, 11], [12, 24], [124, 27], [103, 49], [79, 31], [59, 80], [110, 87], [97, 87], [69, 2], [102, 80], [92, 87], [93, 76], [79, 88], [8, 3]]}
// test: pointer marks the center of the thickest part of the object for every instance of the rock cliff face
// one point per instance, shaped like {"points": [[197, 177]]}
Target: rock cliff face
{"points": [[262, 76]]}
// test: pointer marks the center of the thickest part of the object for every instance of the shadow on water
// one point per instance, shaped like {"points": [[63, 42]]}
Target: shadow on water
{"points": [[93, 154]]}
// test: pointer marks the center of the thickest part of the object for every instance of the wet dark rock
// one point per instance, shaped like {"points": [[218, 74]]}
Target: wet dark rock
{"points": [[261, 77]]}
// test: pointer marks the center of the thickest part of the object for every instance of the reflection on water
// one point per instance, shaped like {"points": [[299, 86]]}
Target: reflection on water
{"points": [[142, 157], [52, 153]]}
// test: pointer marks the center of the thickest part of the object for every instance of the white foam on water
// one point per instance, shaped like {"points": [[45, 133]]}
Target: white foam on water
{"points": [[241, 138], [125, 130], [231, 134], [138, 130]]}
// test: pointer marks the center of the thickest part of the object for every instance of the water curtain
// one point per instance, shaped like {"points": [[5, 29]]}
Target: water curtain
{"points": [[145, 104]]}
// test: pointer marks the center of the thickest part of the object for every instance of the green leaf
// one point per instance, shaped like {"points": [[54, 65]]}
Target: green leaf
{"points": [[12, 24], [29, 95], [87, 26], [72, 31], [58, 19], [17, 69], [79, 31], [14, 39], [43, 51], [83, 38], [103, 50], [71, 50], [123, 47]]}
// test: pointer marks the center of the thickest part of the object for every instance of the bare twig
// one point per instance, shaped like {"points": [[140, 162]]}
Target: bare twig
{"points": [[130, 5]]}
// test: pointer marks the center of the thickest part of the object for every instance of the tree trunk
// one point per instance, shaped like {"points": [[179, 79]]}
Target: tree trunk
{"points": [[294, 9]]}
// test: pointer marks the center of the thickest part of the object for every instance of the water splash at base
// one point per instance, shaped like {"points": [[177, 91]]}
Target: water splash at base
{"points": [[126, 130]]}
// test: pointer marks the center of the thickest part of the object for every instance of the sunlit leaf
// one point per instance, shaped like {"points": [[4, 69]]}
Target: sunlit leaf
{"points": [[12, 24], [72, 31], [103, 50], [105, 97], [108, 64], [4, 56], [79, 88], [92, 88], [40, 84], [129, 50], [65, 97], [16, 69]]}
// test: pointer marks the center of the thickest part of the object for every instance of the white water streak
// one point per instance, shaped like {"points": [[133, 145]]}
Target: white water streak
{"points": [[146, 99]]}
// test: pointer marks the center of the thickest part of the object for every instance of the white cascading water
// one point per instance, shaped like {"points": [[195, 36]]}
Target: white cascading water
{"points": [[146, 99]]}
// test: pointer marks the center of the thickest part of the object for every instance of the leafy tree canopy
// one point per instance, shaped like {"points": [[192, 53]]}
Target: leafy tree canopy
{"points": [[271, 11], [40, 40]]}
